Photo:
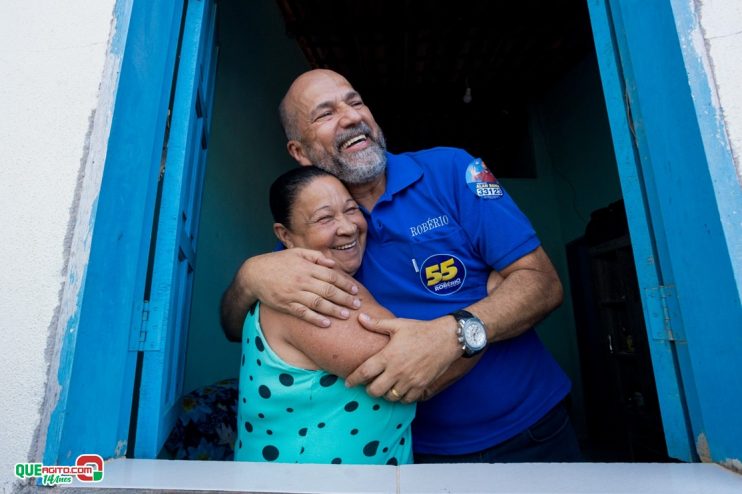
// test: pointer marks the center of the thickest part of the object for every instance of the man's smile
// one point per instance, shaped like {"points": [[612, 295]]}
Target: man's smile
{"points": [[353, 142]]}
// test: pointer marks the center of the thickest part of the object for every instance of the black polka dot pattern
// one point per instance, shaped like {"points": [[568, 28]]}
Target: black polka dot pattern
{"points": [[284, 406], [370, 448], [270, 453], [264, 391], [328, 380]]}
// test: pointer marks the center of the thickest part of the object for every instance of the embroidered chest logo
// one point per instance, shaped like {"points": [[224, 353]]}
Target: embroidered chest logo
{"points": [[443, 274], [429, 224], [481, 181]]}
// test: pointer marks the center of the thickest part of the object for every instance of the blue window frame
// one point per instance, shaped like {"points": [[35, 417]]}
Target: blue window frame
{"points": [[674, 173], [169, 301], [99, 351], [670, 162]]}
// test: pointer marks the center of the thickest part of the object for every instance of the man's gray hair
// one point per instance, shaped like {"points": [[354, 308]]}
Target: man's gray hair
{"points": [[288, 120]]}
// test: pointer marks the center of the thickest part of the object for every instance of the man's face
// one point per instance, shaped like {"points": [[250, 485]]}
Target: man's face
{"points": [[337, 131]]}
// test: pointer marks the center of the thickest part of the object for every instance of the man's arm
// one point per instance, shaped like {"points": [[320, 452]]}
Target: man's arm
{"points": [[461, 366], [530, 291], [299, 282], [419, 352], [236, 301], [455, 371]]}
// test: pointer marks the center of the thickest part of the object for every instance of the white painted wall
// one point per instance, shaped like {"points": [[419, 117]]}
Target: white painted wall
{"points": [[721, 21], [719, 48], [52, 57]]}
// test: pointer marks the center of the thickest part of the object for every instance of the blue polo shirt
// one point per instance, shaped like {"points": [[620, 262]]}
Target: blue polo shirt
{"points": [[442, 224]]}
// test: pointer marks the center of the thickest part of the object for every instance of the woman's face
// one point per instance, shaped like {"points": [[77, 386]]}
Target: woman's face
{"points": [[325, 217]]}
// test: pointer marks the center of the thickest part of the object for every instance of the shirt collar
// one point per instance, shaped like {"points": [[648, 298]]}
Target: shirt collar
{"points": [[401, 172]]}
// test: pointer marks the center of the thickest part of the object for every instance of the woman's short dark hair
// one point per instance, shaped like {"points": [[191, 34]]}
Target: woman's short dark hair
{"points": [[287, 186]]}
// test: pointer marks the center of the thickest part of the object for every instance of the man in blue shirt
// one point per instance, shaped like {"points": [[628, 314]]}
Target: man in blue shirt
{"points": [[438, 224]]}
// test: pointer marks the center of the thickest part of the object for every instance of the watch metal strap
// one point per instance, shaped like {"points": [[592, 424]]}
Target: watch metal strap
{"points": [[459, 315]]}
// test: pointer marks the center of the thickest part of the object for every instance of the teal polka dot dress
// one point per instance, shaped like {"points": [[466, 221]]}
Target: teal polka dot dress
{"points": [[292, 415]]}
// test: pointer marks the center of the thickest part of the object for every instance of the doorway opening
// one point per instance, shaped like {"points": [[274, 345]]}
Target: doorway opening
{"points": [[516, 84]]}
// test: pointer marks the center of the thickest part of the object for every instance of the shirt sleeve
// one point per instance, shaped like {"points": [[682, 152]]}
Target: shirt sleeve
{"points": [[498, 229]]}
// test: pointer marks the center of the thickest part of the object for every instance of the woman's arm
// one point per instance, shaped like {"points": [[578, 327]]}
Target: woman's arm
{"points": [[345, 345], [338, 349]]}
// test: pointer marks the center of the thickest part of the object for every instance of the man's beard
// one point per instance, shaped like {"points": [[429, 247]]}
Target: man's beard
{"points": [[358, 168]]}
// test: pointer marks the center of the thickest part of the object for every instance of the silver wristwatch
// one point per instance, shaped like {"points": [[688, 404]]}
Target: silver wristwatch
{"points": [[471, 333]]}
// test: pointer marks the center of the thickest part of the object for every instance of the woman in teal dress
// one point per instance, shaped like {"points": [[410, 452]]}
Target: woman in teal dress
{"points": [[293, 404]]}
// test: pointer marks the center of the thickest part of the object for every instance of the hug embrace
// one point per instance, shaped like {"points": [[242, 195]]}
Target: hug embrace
{"points": [[409, 287]]}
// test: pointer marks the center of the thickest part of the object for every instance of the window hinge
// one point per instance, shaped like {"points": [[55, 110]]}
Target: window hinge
{"points": [[663, 310], [143, 327], [140, 328]]}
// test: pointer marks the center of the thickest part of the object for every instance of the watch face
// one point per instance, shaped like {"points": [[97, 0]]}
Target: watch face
{"points": [[474, 334]]}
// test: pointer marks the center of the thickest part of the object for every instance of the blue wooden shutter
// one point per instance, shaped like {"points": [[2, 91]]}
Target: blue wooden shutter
{"points": [[655, 284], [682, 200], [166, 313], [92, 391]]}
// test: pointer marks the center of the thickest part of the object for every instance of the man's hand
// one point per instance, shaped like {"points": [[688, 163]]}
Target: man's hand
{"points": [[417, 353], [299, 282]]}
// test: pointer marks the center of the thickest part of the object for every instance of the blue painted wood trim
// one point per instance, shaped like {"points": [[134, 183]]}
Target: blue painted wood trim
{"points": [[720, 379], [724, 175], [174, 258], [669, 387], [674, 325], [96, 368], [690, 212]]}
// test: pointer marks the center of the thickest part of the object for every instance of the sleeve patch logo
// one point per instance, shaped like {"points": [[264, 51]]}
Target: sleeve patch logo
{"points": [[443, 274], [481, 181]]}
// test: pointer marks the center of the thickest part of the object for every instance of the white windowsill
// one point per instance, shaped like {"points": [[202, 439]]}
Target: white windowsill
{"points": [[522, 478]]}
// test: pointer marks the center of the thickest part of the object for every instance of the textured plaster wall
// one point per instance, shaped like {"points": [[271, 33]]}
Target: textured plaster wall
{"points": [[715, 34], [721, 21], [52, 55]]}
